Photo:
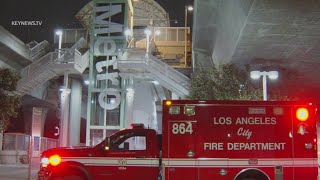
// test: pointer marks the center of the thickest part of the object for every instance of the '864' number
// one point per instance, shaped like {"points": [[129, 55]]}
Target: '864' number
{"points": [[182, 128]]}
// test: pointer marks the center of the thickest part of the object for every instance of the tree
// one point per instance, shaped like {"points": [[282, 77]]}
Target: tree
{"points": [[225, 82], [9, 104]]}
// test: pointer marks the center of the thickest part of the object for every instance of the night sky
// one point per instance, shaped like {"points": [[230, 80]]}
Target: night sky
{"points": [[56, 14]]}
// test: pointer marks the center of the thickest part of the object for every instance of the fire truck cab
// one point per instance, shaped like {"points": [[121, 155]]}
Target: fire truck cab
{"points": [[202, 140]]}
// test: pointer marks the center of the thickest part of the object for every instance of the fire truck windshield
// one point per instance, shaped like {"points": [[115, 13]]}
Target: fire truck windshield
{"points": [[125, 141]]}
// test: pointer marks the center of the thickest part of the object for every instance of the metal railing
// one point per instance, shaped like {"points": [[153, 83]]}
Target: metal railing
{"points": [[38, 50], [44, 61], [42, 69], [21, 142], [167, 71], [176, 34], [71, 36], [81, 43], [169, 77], [16, 141], [63, 56]]}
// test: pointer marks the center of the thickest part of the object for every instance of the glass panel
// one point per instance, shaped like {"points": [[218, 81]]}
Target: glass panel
{"points": [[110, 132], [135, 143], [162, 35], [113, 117], [10, 141], [20, 144], [43, 144], [181, 34], [36, 144], [26, 142], [172, 34], [129, 141], [96, 136]]}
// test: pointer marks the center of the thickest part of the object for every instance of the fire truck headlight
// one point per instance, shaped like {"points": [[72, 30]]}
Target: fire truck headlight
{"points": [[44, 162]]}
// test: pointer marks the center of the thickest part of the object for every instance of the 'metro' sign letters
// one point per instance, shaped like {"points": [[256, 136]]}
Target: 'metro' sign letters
{"points": [[108, 39]]}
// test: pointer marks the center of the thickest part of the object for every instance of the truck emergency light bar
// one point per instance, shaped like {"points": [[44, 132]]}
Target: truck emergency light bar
{"points": [[138, 125]]}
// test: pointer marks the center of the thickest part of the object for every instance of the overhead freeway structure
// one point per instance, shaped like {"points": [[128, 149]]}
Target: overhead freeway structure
{"points": [[72, 60], [16, 54]]}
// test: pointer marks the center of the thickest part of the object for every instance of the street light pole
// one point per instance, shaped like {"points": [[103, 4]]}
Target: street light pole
{"points": [[59, 33], [264, 87], [147, 32], [187, 8], [264, 74]]}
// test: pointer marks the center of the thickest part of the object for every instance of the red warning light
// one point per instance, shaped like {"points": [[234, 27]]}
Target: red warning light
{"points": [[55, 160], [302, 114]]}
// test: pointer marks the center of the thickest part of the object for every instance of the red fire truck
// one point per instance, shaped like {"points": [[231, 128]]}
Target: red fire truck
{"points": [[202, 140]]}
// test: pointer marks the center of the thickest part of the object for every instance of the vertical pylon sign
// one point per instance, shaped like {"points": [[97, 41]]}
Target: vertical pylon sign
{"points": [[108, 23]]}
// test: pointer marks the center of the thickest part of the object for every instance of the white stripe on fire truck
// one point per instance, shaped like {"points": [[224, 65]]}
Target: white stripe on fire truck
{"points": [[114, 161], [201, 162], [211, 162]]}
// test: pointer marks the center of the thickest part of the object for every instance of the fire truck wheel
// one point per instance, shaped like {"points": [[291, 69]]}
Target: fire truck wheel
{"points": [[69, 174], [252, 174], [69, 177]]}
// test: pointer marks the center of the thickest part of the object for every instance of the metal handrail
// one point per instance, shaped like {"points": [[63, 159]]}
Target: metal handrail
{"points": [[140, 56], [165, 33], [64, 56], [158, 68], [21, 142], [38, 48], [81, 43], [168, 71], [43, 62]]}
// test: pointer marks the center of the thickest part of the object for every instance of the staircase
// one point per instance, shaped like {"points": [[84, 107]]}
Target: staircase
{"points": [[136, 61], [51, 65], [38, 49]]}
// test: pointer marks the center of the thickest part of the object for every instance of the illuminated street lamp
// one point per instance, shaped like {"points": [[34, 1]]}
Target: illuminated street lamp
{"points": [[128, 34], [59, 33], [271, 74], [148, 32]]}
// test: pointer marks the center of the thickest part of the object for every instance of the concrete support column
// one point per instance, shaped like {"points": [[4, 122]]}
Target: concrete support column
{"points": [[35, 139], [64, 108], [75, 112], [130, 91], [144, 105], [174, 96]]}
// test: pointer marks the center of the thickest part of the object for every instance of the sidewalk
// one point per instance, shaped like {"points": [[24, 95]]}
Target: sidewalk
{"points": [[16, 172]]}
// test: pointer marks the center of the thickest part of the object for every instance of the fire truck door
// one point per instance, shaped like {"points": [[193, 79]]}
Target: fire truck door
{"points": [[128, 155], [182, 150]]}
